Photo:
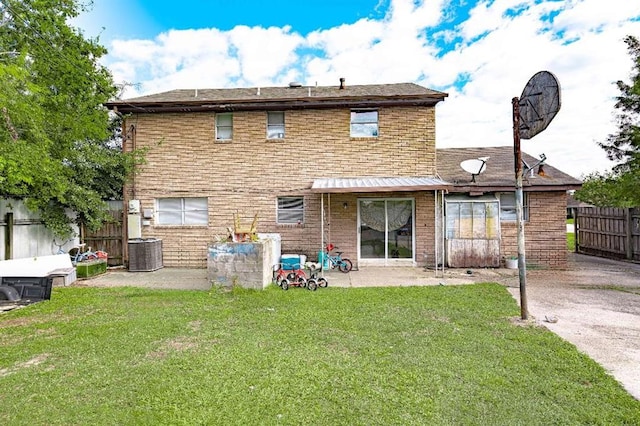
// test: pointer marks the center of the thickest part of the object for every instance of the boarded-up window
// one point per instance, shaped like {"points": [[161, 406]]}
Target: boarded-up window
{"points": [[472, 219], [473, 232]]}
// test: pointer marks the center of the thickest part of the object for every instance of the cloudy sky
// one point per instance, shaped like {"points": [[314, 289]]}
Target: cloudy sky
{"points": [[481, 52]]}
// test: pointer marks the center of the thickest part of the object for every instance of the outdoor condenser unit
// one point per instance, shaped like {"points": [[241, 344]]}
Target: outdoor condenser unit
{"points": [[145, 255]]}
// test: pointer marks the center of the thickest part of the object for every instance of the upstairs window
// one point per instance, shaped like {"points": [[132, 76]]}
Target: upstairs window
{"points": [[290, 210], [364, 124], [275, 125], [224, 126], [182, 211], [508, 207]]}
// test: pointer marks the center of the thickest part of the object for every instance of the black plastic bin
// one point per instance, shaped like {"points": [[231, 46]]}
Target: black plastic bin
{"points": [[31, 288]]}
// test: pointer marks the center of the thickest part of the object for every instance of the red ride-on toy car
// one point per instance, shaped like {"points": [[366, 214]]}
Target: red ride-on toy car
{"points": [[286, 277]]}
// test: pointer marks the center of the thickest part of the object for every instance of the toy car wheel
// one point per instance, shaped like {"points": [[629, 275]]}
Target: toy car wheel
{"points": [[302, 282], [312, 285], [345, 266], [322, 282], [291, 276], [284, 284]]}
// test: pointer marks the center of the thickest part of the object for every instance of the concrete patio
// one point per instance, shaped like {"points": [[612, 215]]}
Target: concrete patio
{"points": [[196, 279]]}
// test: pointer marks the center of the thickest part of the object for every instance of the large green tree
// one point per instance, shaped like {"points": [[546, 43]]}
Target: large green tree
{"points": [[58, 148], [619, 187]]}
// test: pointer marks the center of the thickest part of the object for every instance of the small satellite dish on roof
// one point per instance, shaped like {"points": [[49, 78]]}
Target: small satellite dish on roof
{"points": [[538, 104], [475, 166]]}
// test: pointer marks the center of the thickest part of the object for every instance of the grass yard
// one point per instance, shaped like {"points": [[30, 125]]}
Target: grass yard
{"points": [[571, 237], [406, 356]]}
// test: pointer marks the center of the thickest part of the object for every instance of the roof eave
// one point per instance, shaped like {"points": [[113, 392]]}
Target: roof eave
{"points": [[200, 106], [503, 188]]}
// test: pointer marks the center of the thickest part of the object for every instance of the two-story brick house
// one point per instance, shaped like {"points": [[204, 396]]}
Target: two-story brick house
{"points": [[356, 166]]}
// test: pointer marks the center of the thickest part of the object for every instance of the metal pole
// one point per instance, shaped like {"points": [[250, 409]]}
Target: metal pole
{"points": [[522, 266], [321, 234]]}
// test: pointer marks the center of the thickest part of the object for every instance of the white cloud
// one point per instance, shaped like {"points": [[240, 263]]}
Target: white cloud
{"points": [[501, 45]]}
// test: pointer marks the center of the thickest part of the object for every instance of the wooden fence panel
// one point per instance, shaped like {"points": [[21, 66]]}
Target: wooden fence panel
{"points": [[108, 238], [608, 232]]}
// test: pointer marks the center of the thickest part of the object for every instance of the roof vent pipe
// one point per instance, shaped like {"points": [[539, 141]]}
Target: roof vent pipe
{"points": [[342, 85], [196, 94]]}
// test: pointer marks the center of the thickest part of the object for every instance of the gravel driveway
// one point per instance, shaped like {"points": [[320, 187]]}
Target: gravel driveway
{"points": [[597, 306]]}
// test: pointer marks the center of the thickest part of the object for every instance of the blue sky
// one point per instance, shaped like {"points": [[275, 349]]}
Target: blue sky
{"points": [[481, 52]]}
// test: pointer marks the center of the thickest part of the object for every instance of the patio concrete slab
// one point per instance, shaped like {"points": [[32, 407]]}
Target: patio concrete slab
{"points": [[164, 278], [196, 279]]}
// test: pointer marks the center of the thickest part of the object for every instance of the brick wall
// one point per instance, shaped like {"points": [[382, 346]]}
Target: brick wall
{"points": [[545, 231], [248, 173]]}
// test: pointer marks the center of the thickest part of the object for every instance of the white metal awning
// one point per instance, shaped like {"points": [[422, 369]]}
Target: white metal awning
{"points": [[379, 184]]}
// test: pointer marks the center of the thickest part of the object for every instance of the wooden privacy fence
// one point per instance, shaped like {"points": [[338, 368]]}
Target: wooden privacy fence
{"points": [[108, 238], [608, 232]]}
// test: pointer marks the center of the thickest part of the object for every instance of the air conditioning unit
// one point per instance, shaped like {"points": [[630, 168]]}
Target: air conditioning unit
{"points": [[145, 255]]}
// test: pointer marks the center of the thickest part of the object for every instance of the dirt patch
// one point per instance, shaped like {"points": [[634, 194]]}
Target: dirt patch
{"points": [[179, 344], [37, 360], [596, 306]]}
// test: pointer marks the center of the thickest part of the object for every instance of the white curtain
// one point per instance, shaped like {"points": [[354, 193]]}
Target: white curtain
{"points": [[372, 213], [398, 214]]}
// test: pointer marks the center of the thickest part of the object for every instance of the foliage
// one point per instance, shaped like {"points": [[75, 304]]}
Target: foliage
{"points": [[611, 189], [408, 355], [618, 188], [625, 145], [57, 147]]}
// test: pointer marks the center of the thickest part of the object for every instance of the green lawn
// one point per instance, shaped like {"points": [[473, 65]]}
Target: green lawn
{"points": [[405, 356], [571, 237]]}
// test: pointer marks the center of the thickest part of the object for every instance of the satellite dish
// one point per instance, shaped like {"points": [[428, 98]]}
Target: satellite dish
{"points": [[475, 166], [539, 104]]}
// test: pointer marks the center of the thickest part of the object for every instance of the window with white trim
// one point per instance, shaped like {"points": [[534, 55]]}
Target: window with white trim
{"points": [[275, 125], [364, 123], [290, 210], [224, 126], [182, 211], [508, 207]]}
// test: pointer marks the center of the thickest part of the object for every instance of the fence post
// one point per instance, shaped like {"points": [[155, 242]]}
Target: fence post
{"points": [[576, 243], [628, 227], [8, 237]]}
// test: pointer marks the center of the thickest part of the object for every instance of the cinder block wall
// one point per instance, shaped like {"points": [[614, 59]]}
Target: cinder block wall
{"points": [[248, 173], [544, 233]]}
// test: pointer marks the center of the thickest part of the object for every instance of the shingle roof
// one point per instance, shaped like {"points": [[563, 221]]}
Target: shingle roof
{"points": [[264, 97], [499, 171]]}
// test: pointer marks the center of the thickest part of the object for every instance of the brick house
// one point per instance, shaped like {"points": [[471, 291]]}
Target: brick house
{"points": [[356, 166], [473, 238]]}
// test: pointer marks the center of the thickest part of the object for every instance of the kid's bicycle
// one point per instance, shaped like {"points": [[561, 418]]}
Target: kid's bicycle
{"points": [[80, 253], [337, 261]]}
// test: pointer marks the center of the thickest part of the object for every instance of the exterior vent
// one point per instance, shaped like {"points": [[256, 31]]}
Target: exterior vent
{"points": [[295, 84], [145, 255]]}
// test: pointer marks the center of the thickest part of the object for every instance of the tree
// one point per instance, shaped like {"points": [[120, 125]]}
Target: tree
{"points": [[619, 187], [58, 152]]}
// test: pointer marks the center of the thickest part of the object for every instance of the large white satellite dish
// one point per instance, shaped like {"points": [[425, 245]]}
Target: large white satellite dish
{"points": [[475, 166]]}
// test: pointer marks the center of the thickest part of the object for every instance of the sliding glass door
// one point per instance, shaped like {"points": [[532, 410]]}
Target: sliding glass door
{"points": [[385, 229]]}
